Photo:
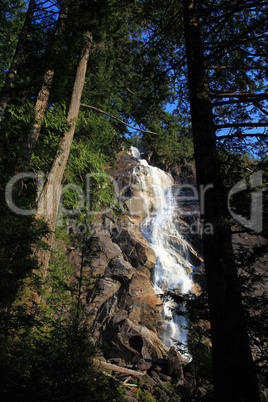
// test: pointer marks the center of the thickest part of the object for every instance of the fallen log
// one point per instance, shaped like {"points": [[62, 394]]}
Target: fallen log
{"points": [[114, 367], [121, 382]]}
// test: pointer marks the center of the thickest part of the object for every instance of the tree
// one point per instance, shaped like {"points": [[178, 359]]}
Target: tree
{"points": [[12, 16], [236, 67], [11, 75], [43, 94], [233, 370], [50, 195]]}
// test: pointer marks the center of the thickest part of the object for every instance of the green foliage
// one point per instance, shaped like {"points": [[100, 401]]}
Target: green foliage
{"points": [[12, 134], [235, 166], [199, 341], [172, 392], [99, 130], [145, 396], [173, 145], [12, 13], [49, 356], [53, 127], [52, 364], [253, 279], [18, 236], [167, 390]]}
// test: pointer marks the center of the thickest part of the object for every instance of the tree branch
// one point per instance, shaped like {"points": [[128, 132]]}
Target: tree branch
{"points": [[238, 125], [261, 108], [246, 68], [240, 38], [234, 101], [238, 8], [218, 94], [116, 118], [223, 137]]}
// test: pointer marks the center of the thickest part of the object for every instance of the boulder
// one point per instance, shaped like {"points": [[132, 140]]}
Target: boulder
{"points": [[108, 309], [165, 377], [130, 340], [120, 270], [99, 265], [143, 365], [109, 248], [136, 249], [137, 206], [107, 288], [122, 172], [175, 363], [155, 377], [142, 301]]}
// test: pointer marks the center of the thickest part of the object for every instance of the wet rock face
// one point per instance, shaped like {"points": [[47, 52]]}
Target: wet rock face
{"points": [[124, 305], [136, 249]]}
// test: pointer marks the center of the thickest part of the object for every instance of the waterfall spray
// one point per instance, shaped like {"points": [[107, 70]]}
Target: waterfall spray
{"points": [[160, 227]]}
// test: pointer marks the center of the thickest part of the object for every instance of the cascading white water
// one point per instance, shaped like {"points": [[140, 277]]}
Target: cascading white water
{"points": [[160, 227]]}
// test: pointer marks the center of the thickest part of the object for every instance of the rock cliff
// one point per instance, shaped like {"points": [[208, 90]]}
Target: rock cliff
{"points": [[122, 305], [118, 293]]}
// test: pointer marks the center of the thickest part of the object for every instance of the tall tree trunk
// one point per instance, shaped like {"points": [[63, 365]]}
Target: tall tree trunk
{"points": [[11, 75], [49, 198], [233, 370], [43, 94]]}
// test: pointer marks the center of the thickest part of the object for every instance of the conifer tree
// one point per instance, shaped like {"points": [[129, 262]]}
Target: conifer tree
{"points": [[43, 94], [11, 75], [233, 370], [50, 195]]}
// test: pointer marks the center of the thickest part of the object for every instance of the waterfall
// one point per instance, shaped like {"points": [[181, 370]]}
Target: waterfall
{"points": [[160, 227]]}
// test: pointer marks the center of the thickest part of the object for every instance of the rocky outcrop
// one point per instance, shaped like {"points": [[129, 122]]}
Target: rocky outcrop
{"points": [[123, 306], [121, 303], [162, 379]]}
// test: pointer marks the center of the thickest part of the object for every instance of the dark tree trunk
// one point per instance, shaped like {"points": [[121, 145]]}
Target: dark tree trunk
{"points": [[233, 370], [11, 75], [49, 198]]}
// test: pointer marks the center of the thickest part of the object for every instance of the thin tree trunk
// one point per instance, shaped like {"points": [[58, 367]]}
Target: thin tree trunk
{"points": [[233, 370], [43, 94], [80, 285], [49, 198], [11, 75]]}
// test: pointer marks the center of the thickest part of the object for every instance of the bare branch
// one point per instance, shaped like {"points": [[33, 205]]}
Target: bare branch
{"points": [[116, 118], [219, 94], [248, 68], [238, 125], [223, 137]]}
